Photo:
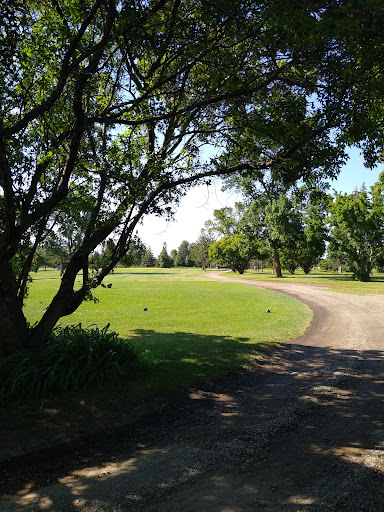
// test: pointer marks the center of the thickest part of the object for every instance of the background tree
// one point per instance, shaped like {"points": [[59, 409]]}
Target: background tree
{"points": [[148, 259], [226, 221], [96, 260], [282, 231], [182, 254], [173, 255], [266, 214], [357, 221], [288, 217], [235, 252], [311, 243], [304, 230], [200, 251], [164, 260], [54, 252], [135, 254], [329, 263], [287, 222], [190, 259]]}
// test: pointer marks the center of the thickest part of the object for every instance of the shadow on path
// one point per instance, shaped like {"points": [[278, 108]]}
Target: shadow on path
{"points": [[302, 432]]}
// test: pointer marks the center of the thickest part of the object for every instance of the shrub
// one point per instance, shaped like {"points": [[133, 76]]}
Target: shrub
{"points": [[73, 358]]}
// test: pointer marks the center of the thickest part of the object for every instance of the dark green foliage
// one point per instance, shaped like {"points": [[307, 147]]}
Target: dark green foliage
{"points": [[185, 255], [286, 223], [199, 250], [235, 252], [135, 254], [164, 260], [358, 229], [311, 230], [73, 358], [148, 259], [329, 264], [182, 254]]}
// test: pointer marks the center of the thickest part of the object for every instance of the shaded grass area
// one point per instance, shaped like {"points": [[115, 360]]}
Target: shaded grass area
{"points": [[193, 329], [342, 283], [181, 359]]}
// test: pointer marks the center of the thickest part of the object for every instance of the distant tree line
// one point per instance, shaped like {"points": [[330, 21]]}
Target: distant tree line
{"points": [[55, 252], [286, 227]]}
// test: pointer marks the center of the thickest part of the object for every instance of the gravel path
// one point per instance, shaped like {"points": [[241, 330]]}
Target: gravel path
{"points": [[303, 432]]}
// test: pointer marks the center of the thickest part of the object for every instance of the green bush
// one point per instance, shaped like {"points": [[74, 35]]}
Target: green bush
{"points": [[73, 358]]}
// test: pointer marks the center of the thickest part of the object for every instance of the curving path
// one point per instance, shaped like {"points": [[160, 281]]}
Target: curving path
{"points": [[303, 432]]}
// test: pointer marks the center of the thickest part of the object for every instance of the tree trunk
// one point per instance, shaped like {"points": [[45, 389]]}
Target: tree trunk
{"points": [[276, 264], [14, 333], [64, 303], [13, 325]]}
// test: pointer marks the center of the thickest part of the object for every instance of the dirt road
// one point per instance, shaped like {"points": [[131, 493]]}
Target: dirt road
{"points": [[303, 432]]}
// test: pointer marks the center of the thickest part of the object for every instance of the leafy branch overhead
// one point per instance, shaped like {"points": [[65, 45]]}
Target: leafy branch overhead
{"points": [[108, 107]]}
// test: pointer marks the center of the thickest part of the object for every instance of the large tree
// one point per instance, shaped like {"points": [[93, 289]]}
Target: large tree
{"points": [[267, 212], [297, 228], [357, 221], [311, 243], [164, 260], [107, 103], [285, 218], [148, 259], [235, 252], [226, 221]]}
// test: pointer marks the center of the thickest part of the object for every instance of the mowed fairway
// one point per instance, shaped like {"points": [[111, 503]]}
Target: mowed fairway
{"points": [[194, 328]]}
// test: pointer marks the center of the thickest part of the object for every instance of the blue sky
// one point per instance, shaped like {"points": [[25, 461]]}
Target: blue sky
{"points": [[198, 205], [354, 174]]}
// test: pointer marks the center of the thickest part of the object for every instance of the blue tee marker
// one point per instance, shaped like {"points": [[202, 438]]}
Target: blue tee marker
{"points": [[268, 311], [145, 309]]}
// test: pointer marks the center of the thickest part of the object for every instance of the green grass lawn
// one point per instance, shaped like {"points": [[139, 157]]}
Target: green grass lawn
{"points": [[333, 281], [195, 329]]}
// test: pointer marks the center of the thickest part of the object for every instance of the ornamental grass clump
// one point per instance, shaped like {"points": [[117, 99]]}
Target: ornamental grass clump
{"points": [[73, 358]]}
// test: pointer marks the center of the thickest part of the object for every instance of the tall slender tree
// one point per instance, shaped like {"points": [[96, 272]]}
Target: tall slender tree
{"points": [[200, 250]]}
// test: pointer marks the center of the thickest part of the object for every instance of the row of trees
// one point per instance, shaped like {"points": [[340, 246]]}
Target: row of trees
{"points": [[294, 227], [193, 254], [106, 106], [56, 252]]}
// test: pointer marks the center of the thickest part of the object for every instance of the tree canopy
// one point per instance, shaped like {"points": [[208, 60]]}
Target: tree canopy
{"points": [[106, 106], [235, 252]]}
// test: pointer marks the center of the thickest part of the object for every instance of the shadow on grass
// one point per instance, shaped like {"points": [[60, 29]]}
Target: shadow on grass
{"points": [[139, 273], [292, 435], [343, 277], [332, 277], [182, 358], [50, 278]]}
